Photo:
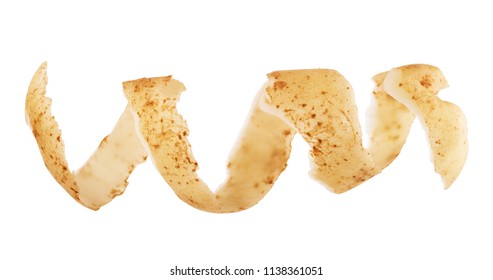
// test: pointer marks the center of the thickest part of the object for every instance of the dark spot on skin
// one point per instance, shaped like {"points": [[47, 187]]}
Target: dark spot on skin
{"points": [[279, 85], [425, 81]]}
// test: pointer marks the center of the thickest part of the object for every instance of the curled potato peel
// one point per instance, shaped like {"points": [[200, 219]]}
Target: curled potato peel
{"points": [[318, 104], [104, 175], [325, 114], [416, 86]]}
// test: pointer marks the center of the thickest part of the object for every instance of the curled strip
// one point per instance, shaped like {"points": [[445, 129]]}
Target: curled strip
{"points": [[318, 104]]}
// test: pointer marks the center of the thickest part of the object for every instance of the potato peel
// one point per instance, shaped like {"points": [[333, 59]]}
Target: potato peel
{"points": [[45, 129], [320, 105], [416, 86], [253, 168], [389, 123], [316, 103], [104, 175]]}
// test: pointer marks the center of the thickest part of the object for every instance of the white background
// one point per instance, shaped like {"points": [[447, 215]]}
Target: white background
{"points": [[399, 225]]}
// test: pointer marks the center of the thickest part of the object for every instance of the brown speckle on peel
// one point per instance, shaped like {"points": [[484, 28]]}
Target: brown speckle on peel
{"points": [[279, 85], [426, 81]]}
